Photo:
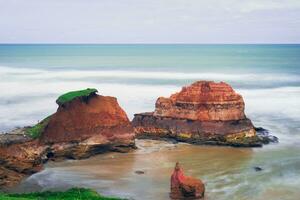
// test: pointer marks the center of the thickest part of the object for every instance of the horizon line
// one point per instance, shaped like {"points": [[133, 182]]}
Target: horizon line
{"points": [[148, 43]]}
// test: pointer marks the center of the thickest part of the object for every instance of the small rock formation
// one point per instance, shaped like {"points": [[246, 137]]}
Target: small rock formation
{"points": [[139, 172], [14, 137], [202, 113], [20, 159], [82, 126], [257, 169], [265, 136], [184, 187]]}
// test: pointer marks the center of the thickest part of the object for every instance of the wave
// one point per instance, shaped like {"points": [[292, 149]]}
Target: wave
{"points": [[28, 95], [30, 73]]}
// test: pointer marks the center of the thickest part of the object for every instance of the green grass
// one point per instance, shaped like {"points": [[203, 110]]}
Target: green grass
{"points": [[37, 130], [74, 94], [72, 194]]}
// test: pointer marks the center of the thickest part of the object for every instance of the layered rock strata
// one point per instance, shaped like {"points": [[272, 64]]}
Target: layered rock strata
{"points": [[202, 113], [81, 127]]}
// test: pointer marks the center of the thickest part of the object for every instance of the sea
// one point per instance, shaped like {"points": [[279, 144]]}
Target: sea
{"points": [[267, 76]]}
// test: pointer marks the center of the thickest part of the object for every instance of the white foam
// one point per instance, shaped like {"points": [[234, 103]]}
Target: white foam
{"points": [[155, 75], [283, 102], [28, 95]]}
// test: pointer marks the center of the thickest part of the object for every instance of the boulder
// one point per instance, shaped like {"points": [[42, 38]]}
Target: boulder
{"points": [[202, 113], [185, 187], [265, 135]]}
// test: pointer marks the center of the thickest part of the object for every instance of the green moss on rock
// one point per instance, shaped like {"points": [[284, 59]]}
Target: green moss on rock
{"points": [[69, 96], [245, 141], [74, 193], [37, 130], [185, 135]]}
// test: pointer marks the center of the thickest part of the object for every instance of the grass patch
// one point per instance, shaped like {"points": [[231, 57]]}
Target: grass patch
{"points": [[71, 194], [37, 130], [74, 94]]}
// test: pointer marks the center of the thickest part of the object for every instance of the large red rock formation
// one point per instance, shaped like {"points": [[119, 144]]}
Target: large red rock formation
{"points": [[80, 128], [203, 101], [99, 117], [185, 187], [204, 113], [83, 127], [87, 126]]}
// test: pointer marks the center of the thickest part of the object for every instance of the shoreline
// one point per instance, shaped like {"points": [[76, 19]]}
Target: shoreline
{"points": [[111, 167]]}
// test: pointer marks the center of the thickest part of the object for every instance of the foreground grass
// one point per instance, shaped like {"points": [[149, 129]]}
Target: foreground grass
{"points": [[71, 95], [72, 194], [37, 130]]}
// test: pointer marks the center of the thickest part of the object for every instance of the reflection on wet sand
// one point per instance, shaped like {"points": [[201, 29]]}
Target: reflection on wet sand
{"points": [[114, 173]]}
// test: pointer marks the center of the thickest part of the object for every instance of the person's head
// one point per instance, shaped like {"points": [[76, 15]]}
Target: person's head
{"points": [[177, 166]]}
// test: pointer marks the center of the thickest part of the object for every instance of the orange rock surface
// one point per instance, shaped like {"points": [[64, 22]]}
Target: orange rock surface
{"points": [[99, 117], [204, 112], [185, 187], [203, 100]]}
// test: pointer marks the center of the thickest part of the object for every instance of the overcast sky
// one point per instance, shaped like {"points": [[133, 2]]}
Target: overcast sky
{"points": [[151, 21]]}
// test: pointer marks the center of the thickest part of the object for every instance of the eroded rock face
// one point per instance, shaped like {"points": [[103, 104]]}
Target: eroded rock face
{"points": [[18, 160], [185, 187], [82, 128], [98, 119], [79, 129], [202, 101], [202, 113]]}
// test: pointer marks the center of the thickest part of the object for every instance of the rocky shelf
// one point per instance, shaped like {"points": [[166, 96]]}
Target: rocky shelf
{"points": [[202, 113], [84, 124]]}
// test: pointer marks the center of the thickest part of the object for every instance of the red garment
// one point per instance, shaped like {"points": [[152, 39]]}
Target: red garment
{"points": [[177, 177]]}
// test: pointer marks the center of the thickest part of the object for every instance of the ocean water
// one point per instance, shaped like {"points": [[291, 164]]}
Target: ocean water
{"points": [[267, 76]]}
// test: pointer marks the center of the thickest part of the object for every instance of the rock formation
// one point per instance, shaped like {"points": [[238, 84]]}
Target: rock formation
{"points": [[84, 125], [185, 187], [20, 159], [88, 126], [202, 113]]}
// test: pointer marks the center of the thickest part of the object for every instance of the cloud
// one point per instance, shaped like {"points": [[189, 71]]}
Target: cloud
{"points": [[151, 21], [267, 5]]}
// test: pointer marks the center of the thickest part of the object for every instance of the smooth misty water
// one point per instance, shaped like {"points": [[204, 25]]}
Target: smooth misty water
{"points": [[268, 77]]}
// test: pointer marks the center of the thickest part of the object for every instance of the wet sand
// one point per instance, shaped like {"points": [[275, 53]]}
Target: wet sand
{"points": [[228, 172]]}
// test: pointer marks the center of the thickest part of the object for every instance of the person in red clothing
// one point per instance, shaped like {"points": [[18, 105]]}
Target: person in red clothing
{"points": [[176, 179], [177, 176], [185, 187]]}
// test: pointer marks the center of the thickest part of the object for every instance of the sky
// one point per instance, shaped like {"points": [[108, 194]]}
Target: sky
{"points": [[151, 21]]}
